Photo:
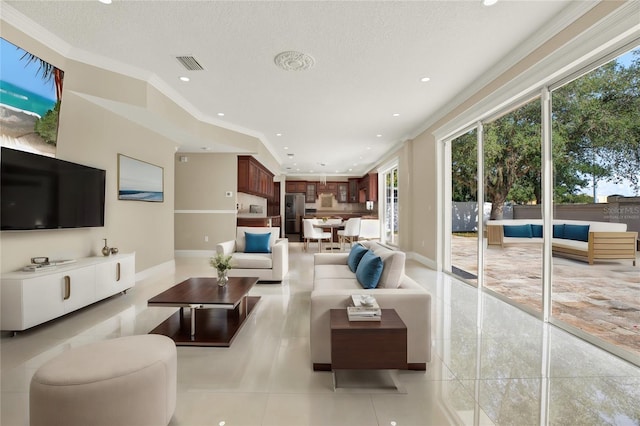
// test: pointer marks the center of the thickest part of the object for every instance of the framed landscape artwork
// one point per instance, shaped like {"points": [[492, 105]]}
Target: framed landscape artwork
{"points": [[139, 180]]}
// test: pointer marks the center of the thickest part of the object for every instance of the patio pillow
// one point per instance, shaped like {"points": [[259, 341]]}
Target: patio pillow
{"points": [[576, 232], [355, 256], [257, 243], [536, 231], [369, 270], [558, 231], [520, 231]]}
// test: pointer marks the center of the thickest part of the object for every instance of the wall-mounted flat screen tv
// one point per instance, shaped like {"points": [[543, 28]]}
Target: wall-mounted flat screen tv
{"points": [[39, 192]]}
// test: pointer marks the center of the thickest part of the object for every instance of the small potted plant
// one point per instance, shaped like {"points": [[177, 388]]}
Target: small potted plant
{"points": [[222, 264]]}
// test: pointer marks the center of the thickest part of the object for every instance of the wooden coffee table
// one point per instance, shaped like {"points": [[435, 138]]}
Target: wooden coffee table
{"points": [[215, 314]]}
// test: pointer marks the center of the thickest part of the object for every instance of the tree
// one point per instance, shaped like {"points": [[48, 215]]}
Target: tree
{"points": [[47, 125]]}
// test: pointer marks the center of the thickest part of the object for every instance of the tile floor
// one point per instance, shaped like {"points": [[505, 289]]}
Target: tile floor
{"points": [[492, 363]]}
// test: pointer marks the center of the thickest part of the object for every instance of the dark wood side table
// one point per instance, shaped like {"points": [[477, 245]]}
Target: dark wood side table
{"points": [[368, 345]]}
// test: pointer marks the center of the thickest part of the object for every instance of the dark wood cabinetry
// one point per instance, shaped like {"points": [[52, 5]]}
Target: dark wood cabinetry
{"points": [[296, 186], [343, 192], [254, 178], [368, 188], [310, 192], [353, 190], [273, 203]]}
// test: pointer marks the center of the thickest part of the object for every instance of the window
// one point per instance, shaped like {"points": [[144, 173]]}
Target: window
{"points": [[390, 204]]}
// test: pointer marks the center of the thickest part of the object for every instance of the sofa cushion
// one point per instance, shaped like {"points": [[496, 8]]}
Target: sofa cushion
{"points": [[536, 231], [558, 231], [332, 271], [251, 261], [337, 284], [576, 232], [240, 238], [520, 231], [257, 243], [369, 270], [393, 262], [355, 256]]}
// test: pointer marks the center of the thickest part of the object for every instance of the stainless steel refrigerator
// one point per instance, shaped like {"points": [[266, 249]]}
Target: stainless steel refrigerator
{"points": [[293, 211]]}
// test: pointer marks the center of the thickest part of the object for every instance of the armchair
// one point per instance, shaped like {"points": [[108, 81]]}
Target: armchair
{"points": [[267, 266]]}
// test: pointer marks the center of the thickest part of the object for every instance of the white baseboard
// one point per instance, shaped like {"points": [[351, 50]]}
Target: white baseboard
{"points": [[166, 267], [429, 263], [194, 253]]}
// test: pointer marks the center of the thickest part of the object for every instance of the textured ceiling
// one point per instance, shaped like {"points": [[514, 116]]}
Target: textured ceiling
{"points": [[369, 59]]}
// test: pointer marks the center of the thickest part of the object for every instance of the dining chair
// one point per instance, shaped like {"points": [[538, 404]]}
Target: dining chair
{"points": [[350, 232], [311, 233]]}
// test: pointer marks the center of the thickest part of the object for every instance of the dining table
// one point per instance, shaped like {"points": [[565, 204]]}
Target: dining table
{"points": [[332, 227]]}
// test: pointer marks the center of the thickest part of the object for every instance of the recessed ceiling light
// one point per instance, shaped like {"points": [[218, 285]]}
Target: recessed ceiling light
{"points": [[368, 147], [221, 114], [378, 135], [310, 171], [350, 170], [294, 61], [278, 134], [396, 115], [337, 171], [489, 2], [184, 78], [105, 1], [286, 147], [425, 79]]}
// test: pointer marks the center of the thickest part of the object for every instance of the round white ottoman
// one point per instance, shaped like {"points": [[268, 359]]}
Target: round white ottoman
{"points": [[124, 381]]}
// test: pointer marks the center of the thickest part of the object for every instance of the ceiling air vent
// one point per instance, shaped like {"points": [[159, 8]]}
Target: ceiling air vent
{"points": [[190, 63]]}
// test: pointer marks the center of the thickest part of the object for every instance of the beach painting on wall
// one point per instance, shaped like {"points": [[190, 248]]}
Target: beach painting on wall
{"points": [[139, 180], [30, 95]]}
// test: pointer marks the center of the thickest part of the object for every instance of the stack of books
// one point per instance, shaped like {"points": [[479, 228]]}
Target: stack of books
{"points": [[364, 309]]}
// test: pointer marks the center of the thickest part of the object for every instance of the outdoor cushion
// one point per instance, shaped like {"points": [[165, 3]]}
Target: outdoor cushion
{"points": [[521, 231], [536, 231], [369, 270], [558, 231], [257, 243], [355, 256], [576, 232]]}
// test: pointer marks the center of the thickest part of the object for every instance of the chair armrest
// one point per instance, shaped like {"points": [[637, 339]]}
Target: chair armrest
{"points": [[280, 258], [226, 248], [330, 258]]}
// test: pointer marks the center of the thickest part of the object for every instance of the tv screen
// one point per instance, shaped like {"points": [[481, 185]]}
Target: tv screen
{"points": [[38, 192]]}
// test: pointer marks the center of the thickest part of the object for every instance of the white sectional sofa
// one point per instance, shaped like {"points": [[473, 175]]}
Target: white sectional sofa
{"points": [[333, 285], [267, 266], [587, 240]]}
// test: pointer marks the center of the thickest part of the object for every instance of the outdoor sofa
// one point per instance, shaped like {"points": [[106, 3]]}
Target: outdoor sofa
{"points": [[333, 285], [582, 240]]}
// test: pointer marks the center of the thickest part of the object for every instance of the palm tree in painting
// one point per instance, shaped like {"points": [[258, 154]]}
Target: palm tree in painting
{"points": [[47, 125]]}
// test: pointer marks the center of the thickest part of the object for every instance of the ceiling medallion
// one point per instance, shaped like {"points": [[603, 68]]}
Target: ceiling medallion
{"points": [[294, 61]]}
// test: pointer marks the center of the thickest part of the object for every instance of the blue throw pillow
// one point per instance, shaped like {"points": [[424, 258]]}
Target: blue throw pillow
{"points": [[536, 231], [369, 270], [576, 232], [558, 231], [355, 256], [520, 231], [257, 243]]}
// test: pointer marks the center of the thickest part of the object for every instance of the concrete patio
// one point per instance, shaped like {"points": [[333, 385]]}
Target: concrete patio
{"points": [[601, 299]]}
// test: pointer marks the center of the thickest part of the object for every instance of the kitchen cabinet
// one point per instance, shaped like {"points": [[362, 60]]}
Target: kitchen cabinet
{"points": [[368, 188], [310, 193], [254, 178], [296, 186], [343, 192], [273, 203], [353, 189]]}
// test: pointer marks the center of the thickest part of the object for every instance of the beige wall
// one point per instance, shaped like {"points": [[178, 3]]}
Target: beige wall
{"points": [[94, 137], [201, 186]]}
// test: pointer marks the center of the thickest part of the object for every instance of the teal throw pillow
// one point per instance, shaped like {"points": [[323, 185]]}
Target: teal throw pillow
{"points": [[576, 232], [520, 231], [257, 243], [355, 256], [369, 270]]}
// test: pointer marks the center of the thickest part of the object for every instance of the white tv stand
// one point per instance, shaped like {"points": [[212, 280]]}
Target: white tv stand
{"points": [[32, 298]]}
